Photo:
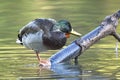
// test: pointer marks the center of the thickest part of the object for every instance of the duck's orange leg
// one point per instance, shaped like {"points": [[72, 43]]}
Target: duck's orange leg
{"points": [[42, 62], [38, 57]]}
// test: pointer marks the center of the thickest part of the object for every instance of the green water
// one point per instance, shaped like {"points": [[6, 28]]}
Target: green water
{"points": [[97, 63]]}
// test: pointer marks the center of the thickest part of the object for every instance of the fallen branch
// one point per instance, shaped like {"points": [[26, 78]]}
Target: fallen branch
{"points": [[107, 27]]}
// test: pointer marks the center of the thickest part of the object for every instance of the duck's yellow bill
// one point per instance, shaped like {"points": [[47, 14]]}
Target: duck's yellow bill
{"points": [[73, 32]]}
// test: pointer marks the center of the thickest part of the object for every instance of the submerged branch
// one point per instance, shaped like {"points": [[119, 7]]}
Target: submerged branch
{"points": [[107, 27]]}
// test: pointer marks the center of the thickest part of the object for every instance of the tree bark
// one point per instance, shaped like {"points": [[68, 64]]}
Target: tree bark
{"points": [[107, 27]]}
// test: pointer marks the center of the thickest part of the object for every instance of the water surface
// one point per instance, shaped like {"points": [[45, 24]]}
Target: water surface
{"points": [[97, 63]]}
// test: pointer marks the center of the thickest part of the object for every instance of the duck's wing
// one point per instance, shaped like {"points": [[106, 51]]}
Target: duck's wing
{"points": [[37, 25], [46, 25]]}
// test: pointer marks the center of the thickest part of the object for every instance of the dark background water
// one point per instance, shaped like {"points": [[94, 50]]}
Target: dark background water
{"points": [[97, 63]]}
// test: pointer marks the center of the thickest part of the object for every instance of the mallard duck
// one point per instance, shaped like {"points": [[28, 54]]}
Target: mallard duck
{"points": [[45, 34]]}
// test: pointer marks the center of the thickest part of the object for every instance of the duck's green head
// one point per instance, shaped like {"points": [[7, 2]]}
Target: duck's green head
{"points": [[65, 26]]}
